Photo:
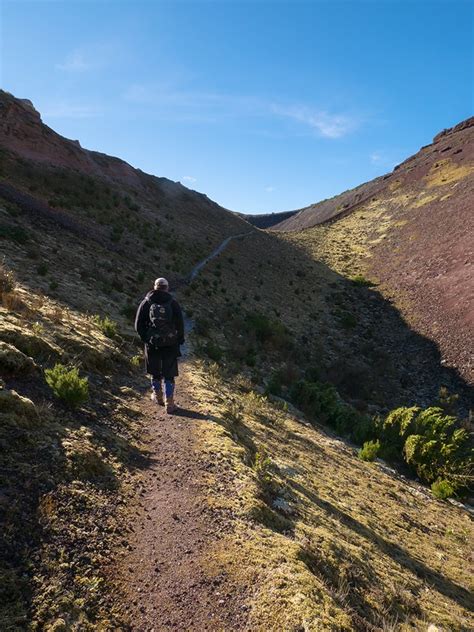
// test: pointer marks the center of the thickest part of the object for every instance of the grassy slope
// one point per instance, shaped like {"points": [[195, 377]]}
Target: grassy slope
{"points": [[63, 472], [411, 232], [352, 547], [85, 461]]}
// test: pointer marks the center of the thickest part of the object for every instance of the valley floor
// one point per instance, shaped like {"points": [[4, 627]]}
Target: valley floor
{"points": [[250, 518], [161, 578]]}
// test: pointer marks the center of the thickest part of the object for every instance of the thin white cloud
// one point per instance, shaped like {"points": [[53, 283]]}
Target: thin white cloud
{"points": [[65, 109], [75, 62], [190, 179], [93, 56], [269, 189], [382, 159], [322, 122], [168, 101]]}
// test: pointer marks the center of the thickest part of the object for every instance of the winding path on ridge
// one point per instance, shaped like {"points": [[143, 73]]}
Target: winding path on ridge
{"points": [[199, 266], [160, 570]]}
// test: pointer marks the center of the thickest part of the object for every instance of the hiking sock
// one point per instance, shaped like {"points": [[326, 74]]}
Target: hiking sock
{"points": [[169, 389], [156, 384]]}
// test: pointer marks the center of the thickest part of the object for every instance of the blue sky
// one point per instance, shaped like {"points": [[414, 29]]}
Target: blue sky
{"points": [[263, 105]]}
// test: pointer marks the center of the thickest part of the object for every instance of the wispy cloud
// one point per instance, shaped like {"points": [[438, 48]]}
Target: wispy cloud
{"points": [[190, 179], [66, 109], [322, 122], [269, 189], [167, 101], [76, 62], [89, 57], [382, 159]]}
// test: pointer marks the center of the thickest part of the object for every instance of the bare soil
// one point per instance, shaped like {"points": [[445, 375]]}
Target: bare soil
{"points": [[163, 579]]}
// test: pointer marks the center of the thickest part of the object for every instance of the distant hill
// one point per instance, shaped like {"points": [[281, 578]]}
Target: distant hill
{"points": [[411, 231], [454, 142], [267, 220]]}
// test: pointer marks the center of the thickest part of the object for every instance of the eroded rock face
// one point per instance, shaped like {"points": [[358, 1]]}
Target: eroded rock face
{"points": [[22, 131], [30, 107]]}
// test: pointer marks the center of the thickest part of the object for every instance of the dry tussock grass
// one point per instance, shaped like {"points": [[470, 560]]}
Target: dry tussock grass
{"points": [[360, 548]]}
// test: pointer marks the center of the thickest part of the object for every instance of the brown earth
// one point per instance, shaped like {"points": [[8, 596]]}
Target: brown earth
{"points": [[411, 231], [254, 518], [163, 573]]}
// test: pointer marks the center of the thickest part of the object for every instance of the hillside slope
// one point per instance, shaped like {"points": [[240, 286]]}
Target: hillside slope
{"points": [[269, 487], [411, 232], [455, 143]]}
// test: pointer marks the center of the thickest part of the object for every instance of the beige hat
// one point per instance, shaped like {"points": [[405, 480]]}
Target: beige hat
{"points": [[161, 284]]}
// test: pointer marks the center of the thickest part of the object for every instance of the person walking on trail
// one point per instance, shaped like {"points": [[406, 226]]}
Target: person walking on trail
{"points": [[159, 323]]}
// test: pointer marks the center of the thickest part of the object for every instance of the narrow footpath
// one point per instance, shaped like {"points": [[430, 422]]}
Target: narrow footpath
{"points": [[162, 577]]}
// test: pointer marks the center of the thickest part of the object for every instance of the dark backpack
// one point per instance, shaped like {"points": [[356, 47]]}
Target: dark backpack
{"points": [[162, 331]]}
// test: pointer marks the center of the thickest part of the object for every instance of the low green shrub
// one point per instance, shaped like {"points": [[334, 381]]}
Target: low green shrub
{"points": [[67, 385], [322, 403], [107, 326], [431, 442], [442, 489], [14, 233], [361, 281], [262, 465], [274, 384], [369, 451], [129, 311], [136, 360], [213, 351], [7, 280], [202, 326], [447, 401], [265, 331]]}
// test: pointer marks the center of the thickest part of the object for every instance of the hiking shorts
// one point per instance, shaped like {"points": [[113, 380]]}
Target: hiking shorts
{"points": [[162, 362]]}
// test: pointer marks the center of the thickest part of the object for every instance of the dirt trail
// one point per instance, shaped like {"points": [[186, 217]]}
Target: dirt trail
{"points": [[198, 267], [162, 578], [163, 581]]}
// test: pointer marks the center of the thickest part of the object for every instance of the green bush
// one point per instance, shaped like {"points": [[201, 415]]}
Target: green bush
{"points": [[14, 233], [369, 451], [274, 384], [42, 269], [447, 401], [107, 326], [136, 360], [202, 326], [395, 428], [361, 281], [432, 443], [263, 327], [363, 429], [67, 385], [321, 402], [213, 351], [262, 467], [442, 489], [129, 311]]}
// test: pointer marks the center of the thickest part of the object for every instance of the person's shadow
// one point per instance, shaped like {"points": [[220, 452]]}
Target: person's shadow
{"points": [[190, 414]]}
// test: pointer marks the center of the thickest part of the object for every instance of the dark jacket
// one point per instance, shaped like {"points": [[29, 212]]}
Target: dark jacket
{"points": [[142, 319]]}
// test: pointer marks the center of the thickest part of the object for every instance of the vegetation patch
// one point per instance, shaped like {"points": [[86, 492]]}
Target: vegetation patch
{"points": [[67, 385]]}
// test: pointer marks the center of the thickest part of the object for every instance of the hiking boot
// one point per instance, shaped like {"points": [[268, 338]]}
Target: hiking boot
{"points": [[157, 397], [170, 405]]}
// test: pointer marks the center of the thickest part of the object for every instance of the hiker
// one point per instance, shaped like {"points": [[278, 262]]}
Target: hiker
{"points": [[159, 323]]}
